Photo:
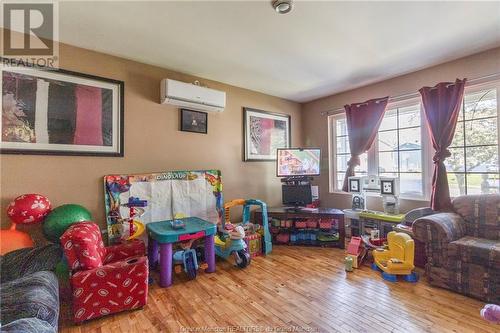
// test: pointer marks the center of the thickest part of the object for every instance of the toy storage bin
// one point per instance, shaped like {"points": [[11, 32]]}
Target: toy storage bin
{"points": [[293, 238], [311, 223], [300, 224], [325, 224], [313, 236], [283, 238]]}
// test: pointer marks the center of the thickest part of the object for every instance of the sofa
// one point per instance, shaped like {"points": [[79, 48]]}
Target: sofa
{"points": [[29, 290], [463, 246]]}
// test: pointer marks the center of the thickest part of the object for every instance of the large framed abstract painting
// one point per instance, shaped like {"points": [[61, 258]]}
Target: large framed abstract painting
{"points": [[264, 133], [58, 112]]}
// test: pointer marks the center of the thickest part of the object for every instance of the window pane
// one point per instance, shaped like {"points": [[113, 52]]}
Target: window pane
{"points": [[482, 159], [482, 183], [456, 162], [410, 139], [481, 104], [410, 184], [409, 116], [410, 161], [481, 132], [341, 126], [458, 138], [388, 174], [364, 164], [388, 162], [388, 140], [340, 180], [390, 120], [342, 162], [343, 144], [456, 183]]}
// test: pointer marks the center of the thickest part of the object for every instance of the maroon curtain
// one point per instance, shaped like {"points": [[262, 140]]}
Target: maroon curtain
{"points": [[442, 105], [363, 121]]}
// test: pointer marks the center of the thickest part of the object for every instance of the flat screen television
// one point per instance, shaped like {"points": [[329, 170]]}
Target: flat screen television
{"points": [[297, 162]]}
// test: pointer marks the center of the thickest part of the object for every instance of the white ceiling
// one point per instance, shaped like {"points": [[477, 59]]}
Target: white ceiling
{"points": [[320, 48]]}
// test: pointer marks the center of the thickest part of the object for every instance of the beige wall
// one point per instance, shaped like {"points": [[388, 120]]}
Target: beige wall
{"points": [[315, 126], [153, 141]]}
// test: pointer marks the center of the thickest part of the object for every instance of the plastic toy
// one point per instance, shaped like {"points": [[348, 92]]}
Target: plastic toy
{"points": [[136, 210], [397, 259], [267, 244], [254, 244], [491, 313], [187, 258], [61, 218], [232, 243], [356, 251], [25, 209], [348, 262], [177, 224]]}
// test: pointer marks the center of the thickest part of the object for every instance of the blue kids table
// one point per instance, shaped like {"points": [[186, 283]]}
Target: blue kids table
{"points": [[162, 235]]}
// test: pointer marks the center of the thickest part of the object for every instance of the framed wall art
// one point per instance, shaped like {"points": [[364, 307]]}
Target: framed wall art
{"points": [[58, 112], [264, 133], [194, 121]]}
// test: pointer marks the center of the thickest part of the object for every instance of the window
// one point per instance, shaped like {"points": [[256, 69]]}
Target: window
{"points": [[343, 154], [473, 164], [403, 149], [399, 148]]}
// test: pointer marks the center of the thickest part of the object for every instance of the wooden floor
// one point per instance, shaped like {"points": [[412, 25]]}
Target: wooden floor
{"points": [[295, 289]]}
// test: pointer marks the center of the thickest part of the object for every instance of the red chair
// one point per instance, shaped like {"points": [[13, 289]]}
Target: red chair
{"points": [[104, 280]]}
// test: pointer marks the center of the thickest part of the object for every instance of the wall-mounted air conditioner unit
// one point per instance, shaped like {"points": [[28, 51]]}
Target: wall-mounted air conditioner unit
{"points": [[191, 96]]}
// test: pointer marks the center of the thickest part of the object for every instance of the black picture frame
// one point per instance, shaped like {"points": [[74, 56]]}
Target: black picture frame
{"points": [[247, 112], [390, 190], [188, 116], [118, 141], [354, 188]]}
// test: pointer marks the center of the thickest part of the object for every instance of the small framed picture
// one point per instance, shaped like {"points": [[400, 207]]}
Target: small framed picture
{"points": [[194, 121], [354, 185], [387, 187]]}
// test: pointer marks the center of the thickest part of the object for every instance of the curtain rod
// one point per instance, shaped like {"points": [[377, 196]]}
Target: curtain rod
{"points": [[401, 97]]}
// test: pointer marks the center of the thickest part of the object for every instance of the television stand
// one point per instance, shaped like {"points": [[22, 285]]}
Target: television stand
{"points": [[294, 209], [306, 227]]}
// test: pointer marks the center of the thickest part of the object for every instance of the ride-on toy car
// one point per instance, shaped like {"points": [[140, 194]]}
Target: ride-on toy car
{"points": [[231, 242]]}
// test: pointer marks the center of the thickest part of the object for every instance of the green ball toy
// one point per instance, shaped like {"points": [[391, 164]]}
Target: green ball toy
{"points": [[60, 219]]}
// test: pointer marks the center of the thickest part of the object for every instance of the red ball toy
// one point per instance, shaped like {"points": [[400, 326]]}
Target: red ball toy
{"points": [[29, 208]]}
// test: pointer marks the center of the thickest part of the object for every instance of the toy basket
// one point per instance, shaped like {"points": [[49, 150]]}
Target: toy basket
{"points": [[300, 224], [325, 224], [311, 223], [283, 238]]}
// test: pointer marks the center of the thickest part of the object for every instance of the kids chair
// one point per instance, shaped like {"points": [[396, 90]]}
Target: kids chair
{"points": [[397, 259], [104, 280]]}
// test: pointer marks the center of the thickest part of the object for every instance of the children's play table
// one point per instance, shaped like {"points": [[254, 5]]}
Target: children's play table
{"points": [[162, 235]]}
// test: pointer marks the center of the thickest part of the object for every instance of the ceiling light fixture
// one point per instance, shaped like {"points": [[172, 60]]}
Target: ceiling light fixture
{"points": [[282, 6]]}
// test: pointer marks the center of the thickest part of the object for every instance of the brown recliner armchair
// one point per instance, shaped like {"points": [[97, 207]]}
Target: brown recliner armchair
{"points": [[463, 246]]}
